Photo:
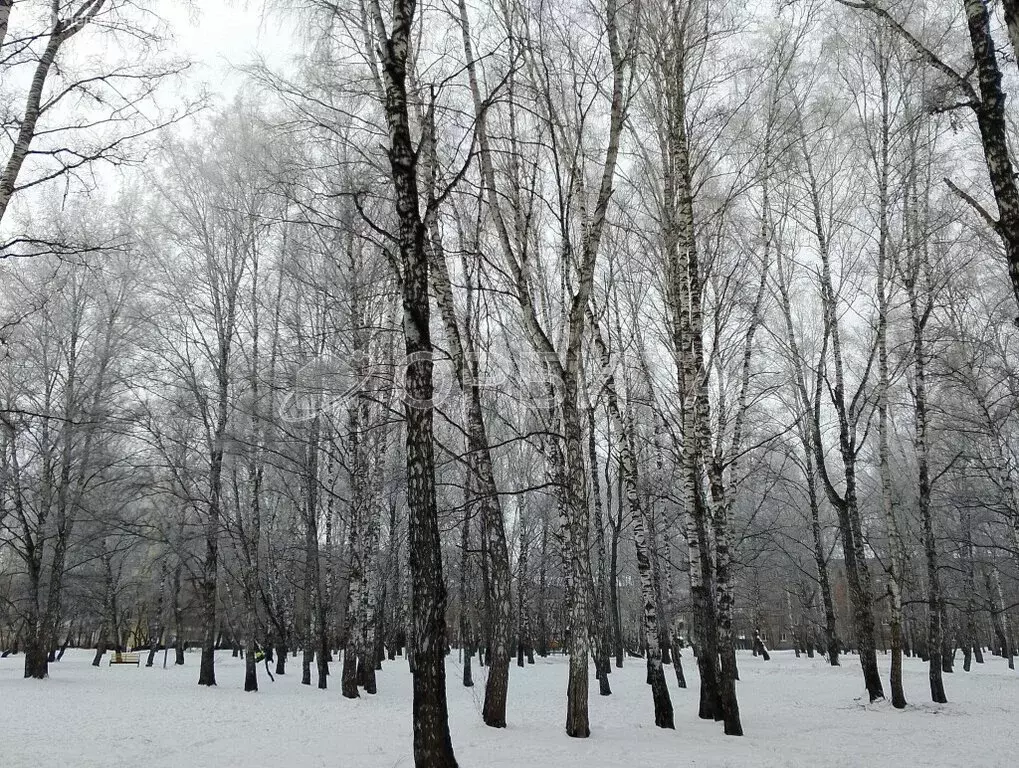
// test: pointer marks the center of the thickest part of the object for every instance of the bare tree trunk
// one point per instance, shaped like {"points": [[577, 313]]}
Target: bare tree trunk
{"points": [[60, 31], [999, 616], [628, 466], [369, 593], [543, 639], [845, 503], [973, 640], [576, 529], [578, 526], [33, 634], [895, 558], [250, 648], [988, 104], [810, 472], [356, 553], [157, 626], [5, 17], [525, 645], [207, 587], [178, 617], [820, 560], [109, 625], [919, 314], [712, 628], [600, 624], [466, 366], [466, 632], [617, 628], [432, 745], [352, 623]]}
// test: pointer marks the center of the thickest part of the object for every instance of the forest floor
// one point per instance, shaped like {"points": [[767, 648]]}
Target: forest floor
{"points": [[796, 712]]}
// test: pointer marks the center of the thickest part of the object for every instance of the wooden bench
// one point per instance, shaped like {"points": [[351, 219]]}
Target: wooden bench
{"points": [[126, 658]]}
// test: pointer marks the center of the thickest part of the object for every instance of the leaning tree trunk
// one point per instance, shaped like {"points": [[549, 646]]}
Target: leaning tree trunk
{"points": [[684, 299], [465, 356], [992, 121], [628, 466], [987, 101], [35, 107], [656, 672], [497, 560], [687, 332]]}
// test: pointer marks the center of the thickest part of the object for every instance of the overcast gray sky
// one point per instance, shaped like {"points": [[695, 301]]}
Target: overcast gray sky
{"points": [[222, 34]]}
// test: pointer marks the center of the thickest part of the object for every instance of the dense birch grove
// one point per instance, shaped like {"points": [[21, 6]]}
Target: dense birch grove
{"points": [[641, 331]]}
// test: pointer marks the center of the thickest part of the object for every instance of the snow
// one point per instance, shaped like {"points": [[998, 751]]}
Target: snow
{"points": [[796, 712]]}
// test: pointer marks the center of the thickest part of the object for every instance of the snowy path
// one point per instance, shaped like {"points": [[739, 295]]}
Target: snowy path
{"points": [[796, 712]]}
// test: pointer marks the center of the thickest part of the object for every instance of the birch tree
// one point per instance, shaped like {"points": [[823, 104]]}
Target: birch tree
{"points": [[74, 113], [391, 39], [986, 100]]}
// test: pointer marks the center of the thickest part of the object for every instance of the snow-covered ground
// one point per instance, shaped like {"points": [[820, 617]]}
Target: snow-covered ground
{"points": [[796, 712]]}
